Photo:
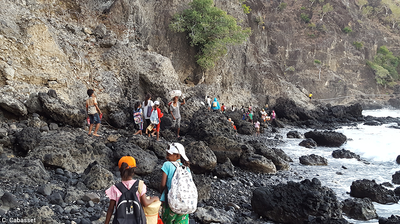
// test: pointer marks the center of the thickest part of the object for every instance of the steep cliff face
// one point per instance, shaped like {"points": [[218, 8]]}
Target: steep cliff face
{"points": [[124, 48]]}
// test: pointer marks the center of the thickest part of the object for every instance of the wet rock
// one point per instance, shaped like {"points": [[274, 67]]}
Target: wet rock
{"points": [[398, 159], [372, 123], [45, 190], [344, 154], [28, 139], [12, 105], [370, 189], [224, 147], [9, 200], [203, 185], [209, 214], [359, 209], [396, 177], [313, 160], [201, 157], [323, 220], [327, 138], [296, 202], [277, 124], [145, 161], [224, 170], [397, 191], [257, 163], [394, 219], [308, 143], [293, 134], [98, 178], [59, 111]]}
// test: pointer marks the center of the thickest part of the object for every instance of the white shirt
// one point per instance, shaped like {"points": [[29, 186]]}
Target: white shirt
{"points": [[209, 101], [150, 104]]}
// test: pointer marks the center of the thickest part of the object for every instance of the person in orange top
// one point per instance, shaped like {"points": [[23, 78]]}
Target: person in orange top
{"points": [[160, 115]]}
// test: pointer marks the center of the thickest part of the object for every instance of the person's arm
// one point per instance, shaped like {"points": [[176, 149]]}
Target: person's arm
{"points": [[184, 102], [95, 104], [170, 109], [163, 182], [110, 211], [87, 108], [160, 114], [146, 202]]}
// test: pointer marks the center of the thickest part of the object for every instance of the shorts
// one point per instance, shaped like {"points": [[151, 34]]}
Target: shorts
{"points": [[257, 129], [176, 123], [94, 118], [140, 125]]}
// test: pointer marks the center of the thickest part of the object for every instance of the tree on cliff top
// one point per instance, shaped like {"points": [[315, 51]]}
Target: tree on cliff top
{"points": [[209, 28]]}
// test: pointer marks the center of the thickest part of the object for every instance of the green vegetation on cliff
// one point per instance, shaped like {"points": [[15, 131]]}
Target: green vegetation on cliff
{"points": [[385, 67], [209, 28]]}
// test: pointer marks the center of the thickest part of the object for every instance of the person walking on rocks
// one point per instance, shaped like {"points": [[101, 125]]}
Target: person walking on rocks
{"points": [[126, 167], [138, 117], [91, 110], [175, 153], [257, 126], [208, 103], [159, 114], [215, 105], [310, 95], [176, 114], [147, 106], [273, 115]]}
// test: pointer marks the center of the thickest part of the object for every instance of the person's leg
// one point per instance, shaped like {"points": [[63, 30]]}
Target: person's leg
{"points": [[90, 129], [178, 125], [97, 122], [158, 132], [91, 124]]}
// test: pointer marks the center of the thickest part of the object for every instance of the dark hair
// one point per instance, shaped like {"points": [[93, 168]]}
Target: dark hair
{"points": [[146, 100], [125, 173], [137, 104], [90, 92], [184, 162]]}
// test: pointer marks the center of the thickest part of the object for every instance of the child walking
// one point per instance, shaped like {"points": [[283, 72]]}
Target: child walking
{"points": [[160, 115], [175, 153], [91, 110], [257, 126], [137, 116], [126, 167], [175, 108]]}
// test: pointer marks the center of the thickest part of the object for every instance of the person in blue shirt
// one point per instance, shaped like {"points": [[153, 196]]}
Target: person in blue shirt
{"points": [[176, 152], [215, 105]]}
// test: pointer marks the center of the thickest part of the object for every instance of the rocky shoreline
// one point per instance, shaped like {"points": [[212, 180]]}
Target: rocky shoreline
{"points": [[55, 173]]}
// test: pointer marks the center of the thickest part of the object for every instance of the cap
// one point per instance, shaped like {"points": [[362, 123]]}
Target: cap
{"points": [[177, 148], [129, 160], [156, 103]]}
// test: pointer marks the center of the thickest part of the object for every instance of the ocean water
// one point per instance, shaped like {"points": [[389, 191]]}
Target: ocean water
{"points": [[377, 145]]}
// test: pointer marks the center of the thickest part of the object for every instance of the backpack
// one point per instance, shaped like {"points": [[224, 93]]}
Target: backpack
{"points": [[182, 197], [215, 104], [154, 117], [129, 210], [148, 110], [137, 117]]}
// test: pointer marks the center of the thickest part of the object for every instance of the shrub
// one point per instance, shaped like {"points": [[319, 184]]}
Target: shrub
{"points": [[291, 69], [347, 29], [304, 17], [210, 29], [318, 62], [303, 8], [246, 9], [385, 66], [312, 26], [358, 45], [282, 6], [259, 20]]}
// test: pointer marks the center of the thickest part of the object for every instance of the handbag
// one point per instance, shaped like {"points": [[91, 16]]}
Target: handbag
{"points": [[151, 211]]}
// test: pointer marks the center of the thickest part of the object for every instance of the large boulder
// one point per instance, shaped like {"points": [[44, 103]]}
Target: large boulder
{"points": [[203, 185], [345, 154], [277, 156], [296, 202], [224, 147], [27, 171], [98, 178], [145, 160], [293, 134], [209, 214], [12, 105], [224, 170], [394, 219], [313, 160], [118, 119], [287, 108], [359, 208], [308, 143], [206, 125], [28, 139], [398, 159], [370, 189], [327, 138], [396, 177], [257, 163], [59, 111], [244, 127], [202, 158]]}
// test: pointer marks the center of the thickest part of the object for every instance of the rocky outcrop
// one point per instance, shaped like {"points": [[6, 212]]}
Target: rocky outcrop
{"points": [[396, 177], [359, 208], [394, 219], [327, 138], [398, 159], [313, 160], [203, 185], [370, 189], [202, 158], [285, 203], [224, 170], [145, 161], [98, 178], [344, 154], [308, 143], [28, 139], [293, 134], [257, 163], [277, 156], [29, 171], [12, 105], [224, 147]]}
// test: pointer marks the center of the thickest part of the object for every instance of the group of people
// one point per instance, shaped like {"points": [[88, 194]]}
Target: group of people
{"points": [[175, 156]]}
